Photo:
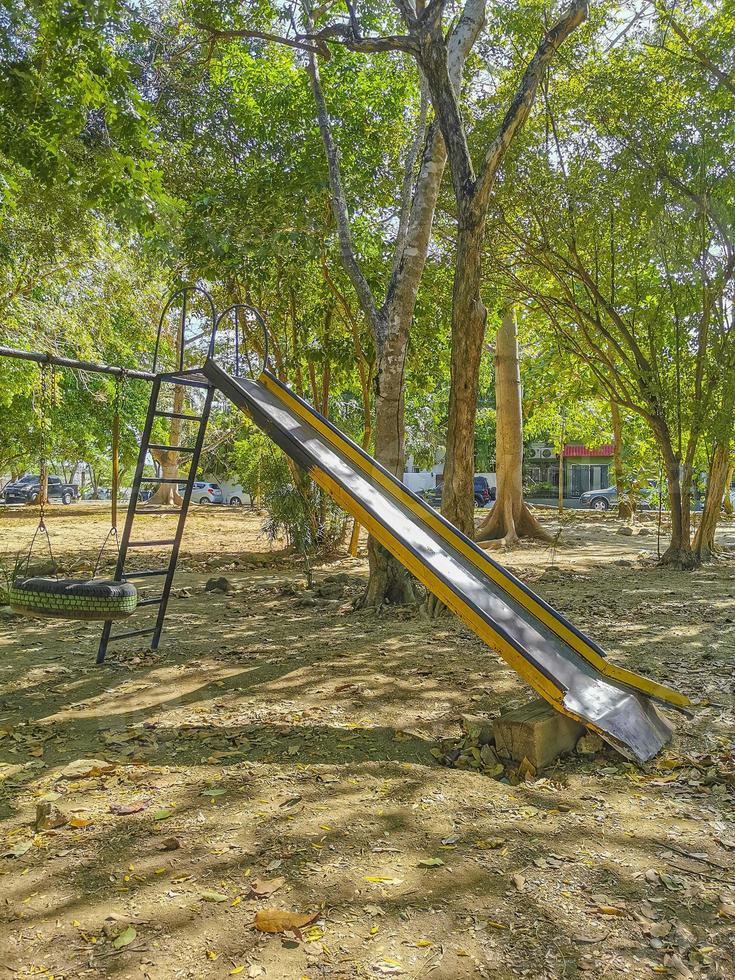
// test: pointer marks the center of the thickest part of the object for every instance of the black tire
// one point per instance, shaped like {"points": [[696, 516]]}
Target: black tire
{"points": [[66, 498], [599, 503], [478, 500], [235, 502], [204, 500], [73, 598]]}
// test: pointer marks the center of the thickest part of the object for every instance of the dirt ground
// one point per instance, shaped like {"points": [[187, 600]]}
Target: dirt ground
{"points": [[275, 754]]}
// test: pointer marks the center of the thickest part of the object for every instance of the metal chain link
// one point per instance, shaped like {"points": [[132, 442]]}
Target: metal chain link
{"points": [[43, 464]]}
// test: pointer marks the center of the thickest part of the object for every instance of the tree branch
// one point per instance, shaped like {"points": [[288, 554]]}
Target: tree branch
{"points": [[520, 107], [299, 42], [411, 251], [700, 56], [340, 209]]}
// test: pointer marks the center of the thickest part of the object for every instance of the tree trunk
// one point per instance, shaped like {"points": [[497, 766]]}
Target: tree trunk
{"points": [[390, 323], [560, 495], [679, 553], [167, 493], [625, 509], [468, 334], [728, 484], [389, 581], [704, 540], [510, 517]]}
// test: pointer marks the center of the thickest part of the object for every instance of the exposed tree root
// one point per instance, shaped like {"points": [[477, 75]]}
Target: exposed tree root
{"points": [[681, 559], [506, 524], [389, 582]]}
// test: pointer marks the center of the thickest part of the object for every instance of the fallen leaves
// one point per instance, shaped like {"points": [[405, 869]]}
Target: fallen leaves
{"points": [[209, 896], [431, 863], [80, 823], [125, 809], [126, 937], [87, 768], [49, 817], [275, 921], [264, 888]]}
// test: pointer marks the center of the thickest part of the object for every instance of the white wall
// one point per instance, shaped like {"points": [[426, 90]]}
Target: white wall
{"points": [[422, 480]]}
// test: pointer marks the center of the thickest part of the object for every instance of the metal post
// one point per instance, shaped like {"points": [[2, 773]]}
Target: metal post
{"points": [[71, 362]]}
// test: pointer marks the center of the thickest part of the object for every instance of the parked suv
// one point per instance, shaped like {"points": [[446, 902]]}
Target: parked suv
{"points": [[483, 493], [204, 492], [27, 490], [607, 498]]}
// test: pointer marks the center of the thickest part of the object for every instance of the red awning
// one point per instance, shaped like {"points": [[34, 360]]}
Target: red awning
{"points": [[606, 450]]}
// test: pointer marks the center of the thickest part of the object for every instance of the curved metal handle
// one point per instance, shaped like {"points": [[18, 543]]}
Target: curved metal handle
{"points": [[235, 308], [183, 292]]}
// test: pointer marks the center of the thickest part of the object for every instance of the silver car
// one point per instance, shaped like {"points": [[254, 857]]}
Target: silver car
{"points": [[204, 492]]}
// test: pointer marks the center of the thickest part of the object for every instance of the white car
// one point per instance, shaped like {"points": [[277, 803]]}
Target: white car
{"points": [[234, 495]]}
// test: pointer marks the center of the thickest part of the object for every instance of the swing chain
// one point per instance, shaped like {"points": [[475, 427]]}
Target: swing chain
{"points": [[44, 410], [116, 409], [43, 464]]}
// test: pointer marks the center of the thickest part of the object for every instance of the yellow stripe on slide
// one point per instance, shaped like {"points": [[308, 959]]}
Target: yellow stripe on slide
{"points": [[496, 574], [545, 687]]}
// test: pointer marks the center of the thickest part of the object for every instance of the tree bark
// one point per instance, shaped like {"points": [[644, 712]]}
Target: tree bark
{"points": [[167, 493], [390, 322], [468, 333], [510, 518], [679, 553], [704, 539], [625, 509], [473, 192], [728, 484]]}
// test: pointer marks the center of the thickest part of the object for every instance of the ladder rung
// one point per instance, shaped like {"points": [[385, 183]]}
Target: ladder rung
{"points": [[179, 415], [150, 544], [190, 382], [149, 573], [127, 633], [161, 479], [150, 602], [173, 449]]}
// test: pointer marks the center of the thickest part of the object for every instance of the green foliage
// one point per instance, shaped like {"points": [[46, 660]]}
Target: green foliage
{"points": [[296, 508]]}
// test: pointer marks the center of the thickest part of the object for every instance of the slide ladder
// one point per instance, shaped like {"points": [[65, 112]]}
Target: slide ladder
{"points": [[159, 603]]}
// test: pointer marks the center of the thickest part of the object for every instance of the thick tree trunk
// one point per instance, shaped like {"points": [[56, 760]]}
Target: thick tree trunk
{"points": [[390, 323], [167, 493], [510, 518], [625, 510], [389, 581], [728, 484], [679, 553], [704, 539], [468, 334]]}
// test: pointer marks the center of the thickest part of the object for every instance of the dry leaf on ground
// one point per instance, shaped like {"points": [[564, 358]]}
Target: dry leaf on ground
{"points": [[274, 921], [262, 887]]}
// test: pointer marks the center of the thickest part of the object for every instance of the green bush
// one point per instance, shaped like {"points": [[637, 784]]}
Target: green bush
{"points": [[297, 508]]}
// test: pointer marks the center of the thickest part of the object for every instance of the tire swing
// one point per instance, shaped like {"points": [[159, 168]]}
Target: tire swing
{"points": [[73, 598]]}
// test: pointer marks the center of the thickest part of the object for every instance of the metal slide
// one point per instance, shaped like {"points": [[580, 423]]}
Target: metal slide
{"points": [[563, 665]]}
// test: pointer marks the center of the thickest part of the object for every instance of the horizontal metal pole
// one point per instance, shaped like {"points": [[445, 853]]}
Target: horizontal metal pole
{"points": [[70, 362]]}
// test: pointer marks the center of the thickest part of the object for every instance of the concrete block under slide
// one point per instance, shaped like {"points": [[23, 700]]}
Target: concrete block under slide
{"points": [[537, 732]]}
